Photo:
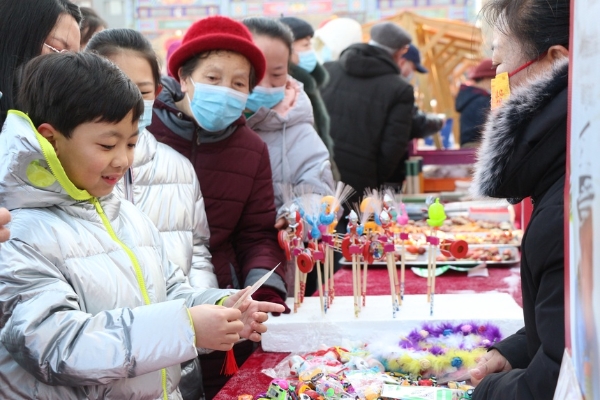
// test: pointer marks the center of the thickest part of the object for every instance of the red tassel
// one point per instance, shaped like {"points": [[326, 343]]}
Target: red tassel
{"points": [[230, 366]]}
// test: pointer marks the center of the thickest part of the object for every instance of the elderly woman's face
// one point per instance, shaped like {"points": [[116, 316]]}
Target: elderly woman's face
{"points": [[507, 56]]}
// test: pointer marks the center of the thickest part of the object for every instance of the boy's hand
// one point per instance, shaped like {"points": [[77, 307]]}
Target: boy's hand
{"points": [[4, 219], [217, 328], [490, 363]]}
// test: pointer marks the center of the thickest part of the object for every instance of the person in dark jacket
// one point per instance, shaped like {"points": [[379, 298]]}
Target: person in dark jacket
{"points": [[473, 103], [423, 124], [305, 68], [370, 106], [523, 154], [199, 114]]}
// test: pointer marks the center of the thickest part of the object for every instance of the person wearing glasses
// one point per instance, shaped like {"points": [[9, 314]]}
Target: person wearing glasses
{"points": [[34, 27]]}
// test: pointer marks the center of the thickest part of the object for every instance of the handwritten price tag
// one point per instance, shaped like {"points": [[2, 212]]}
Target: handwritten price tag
{"points": [[500, 90]]}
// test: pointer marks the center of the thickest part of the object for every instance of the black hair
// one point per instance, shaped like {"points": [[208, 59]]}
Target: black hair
{"points": [[113, 41], [271, 28], [70, 89], [188, 67], [536, 24], [24, 26], [90, 24]]}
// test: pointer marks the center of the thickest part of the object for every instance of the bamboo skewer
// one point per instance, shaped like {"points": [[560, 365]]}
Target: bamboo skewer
{"points": [[332, 281], [364, 288], [296, 285], [326, 273], [320, 286], [354, 284]]}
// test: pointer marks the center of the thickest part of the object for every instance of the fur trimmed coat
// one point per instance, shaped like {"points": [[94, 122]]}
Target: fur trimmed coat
{"points": [[523, 154]]}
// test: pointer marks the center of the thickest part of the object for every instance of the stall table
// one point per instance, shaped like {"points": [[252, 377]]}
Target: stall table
{"points": [[250, 379]]}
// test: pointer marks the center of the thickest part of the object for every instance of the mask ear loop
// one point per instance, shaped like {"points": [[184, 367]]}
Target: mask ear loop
{"points": [[527, 64]]}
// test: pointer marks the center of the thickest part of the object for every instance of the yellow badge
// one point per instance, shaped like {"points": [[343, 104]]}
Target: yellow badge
{"points": [[500, 90]]}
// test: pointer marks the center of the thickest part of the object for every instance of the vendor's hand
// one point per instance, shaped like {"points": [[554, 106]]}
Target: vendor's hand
{"points": [[217, 328], [4, 219], [490, 363], [254, 314], [271, 295], [281, 223]]}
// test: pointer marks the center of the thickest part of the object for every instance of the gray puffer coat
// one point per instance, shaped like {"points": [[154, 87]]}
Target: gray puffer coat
{"points": [[90, 306], [297, 153], [165, 187]]}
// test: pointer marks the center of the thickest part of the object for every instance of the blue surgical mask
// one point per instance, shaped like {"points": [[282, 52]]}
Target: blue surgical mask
{"points": [[265, 97], [146, 117], [216, 107], [308, 60]]}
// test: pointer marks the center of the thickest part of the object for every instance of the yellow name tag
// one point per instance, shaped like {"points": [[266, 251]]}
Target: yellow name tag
{"points": [[500, 89]]}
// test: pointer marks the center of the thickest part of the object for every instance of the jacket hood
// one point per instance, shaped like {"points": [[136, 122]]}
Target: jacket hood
{"points": [[466, 95], [269, 120], [523, 151], [312, 81], [30, 173], [365, 61]]}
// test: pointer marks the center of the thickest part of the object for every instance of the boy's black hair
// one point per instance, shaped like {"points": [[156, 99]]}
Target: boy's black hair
{"points": [[112, 41], [70, 89], [24, 26]]}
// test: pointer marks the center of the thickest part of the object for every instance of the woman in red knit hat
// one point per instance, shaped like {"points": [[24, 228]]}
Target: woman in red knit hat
{"points": [[199, 114]]}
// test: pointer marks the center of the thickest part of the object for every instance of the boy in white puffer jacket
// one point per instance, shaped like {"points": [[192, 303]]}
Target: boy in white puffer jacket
{"points": [[92, 308]]}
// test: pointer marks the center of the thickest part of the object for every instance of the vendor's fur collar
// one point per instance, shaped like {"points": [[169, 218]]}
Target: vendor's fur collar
{"points": [[504, 127]]}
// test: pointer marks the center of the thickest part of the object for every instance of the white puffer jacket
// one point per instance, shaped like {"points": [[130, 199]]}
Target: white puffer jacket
{"points": [[90, 306], [298, 155], [165, 187]]}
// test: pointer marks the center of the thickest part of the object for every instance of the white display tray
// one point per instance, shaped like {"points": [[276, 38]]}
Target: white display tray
{"points": [[307, 329]]}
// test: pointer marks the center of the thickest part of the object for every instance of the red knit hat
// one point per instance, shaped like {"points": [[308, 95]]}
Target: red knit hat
{"points": [[217, 33], [485, 69]]}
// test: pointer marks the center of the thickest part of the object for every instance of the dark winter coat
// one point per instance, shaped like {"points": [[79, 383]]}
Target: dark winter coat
{"points": [[370, 106], [235, 176], [473, 104], [423, 125], [313, 82], [523, 154]]}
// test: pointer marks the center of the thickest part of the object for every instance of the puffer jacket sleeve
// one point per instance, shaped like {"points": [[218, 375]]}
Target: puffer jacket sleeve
{"points": [[311, 162], [202, 274], [46, 332], [395, 135], [255, 237]]}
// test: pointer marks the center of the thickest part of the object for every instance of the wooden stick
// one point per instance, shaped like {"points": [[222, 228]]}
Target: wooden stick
{"points": [[364, 288], [391, 267], [359, 282], [296, 285], [354, 284], [303, 276], [326, 273], [332, 282], [402, 269], [320, 286], [434, 267], [430, 256]]}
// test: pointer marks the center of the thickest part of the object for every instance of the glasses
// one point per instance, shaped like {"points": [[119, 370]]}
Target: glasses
{"points": [[54, 49]]}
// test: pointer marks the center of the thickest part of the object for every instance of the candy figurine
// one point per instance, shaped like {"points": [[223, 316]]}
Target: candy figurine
{"points": [[437, 216]]}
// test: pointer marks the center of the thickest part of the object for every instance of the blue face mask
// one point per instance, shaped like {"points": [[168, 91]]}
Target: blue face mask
{"points": [[265, 97], [216, 107], [146, 118], [308, 60]]}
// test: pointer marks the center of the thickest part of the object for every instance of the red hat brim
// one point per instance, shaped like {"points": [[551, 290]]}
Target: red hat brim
{"points": [[219, 41]]}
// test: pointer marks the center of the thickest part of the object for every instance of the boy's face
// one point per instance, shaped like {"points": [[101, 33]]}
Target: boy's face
{"points": [[97, 154]]}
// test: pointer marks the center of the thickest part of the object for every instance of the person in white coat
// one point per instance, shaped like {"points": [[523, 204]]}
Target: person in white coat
{"points": [[281, 113]]}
